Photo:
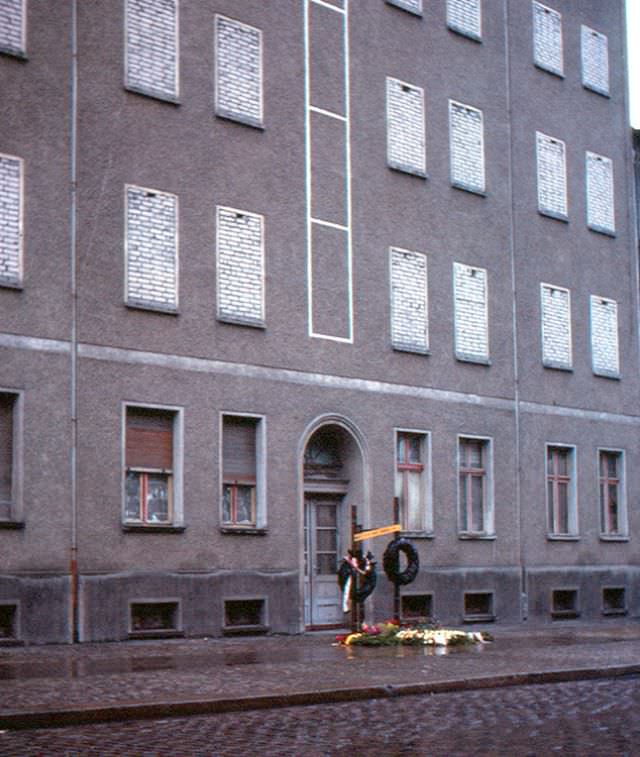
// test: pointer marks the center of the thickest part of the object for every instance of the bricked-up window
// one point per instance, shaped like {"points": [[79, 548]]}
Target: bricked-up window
{"points": [[151, 29], [475, 500], [552, 176], [12, 27], [238, 74], [613, 511], [242, 495], [149, 466], [405, 127], [595, 60], [240, 267], [11, 223], [556, 327], [409, 301], [561, 491], [413, 6], [411, 488], [600, 204], [547, 39], [605, 353], [471, 319], [8, 414], [151, 249], [466, 144], [465, 17]]}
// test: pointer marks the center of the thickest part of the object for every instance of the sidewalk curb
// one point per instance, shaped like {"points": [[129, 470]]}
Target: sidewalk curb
{"points": [[56, 718]]}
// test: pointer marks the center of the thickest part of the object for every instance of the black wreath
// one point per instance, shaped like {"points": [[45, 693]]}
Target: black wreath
{"points": [[367, 581], [391, 562]]}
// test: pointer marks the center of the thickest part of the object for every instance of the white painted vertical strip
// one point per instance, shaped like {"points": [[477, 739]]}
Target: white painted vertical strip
{"points": [[307, 167], [347, 112]]}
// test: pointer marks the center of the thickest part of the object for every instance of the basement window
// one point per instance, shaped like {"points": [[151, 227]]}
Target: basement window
{"points": [[614, 600], [478, 606], [564, 604], [155, 619], [8, 623], [244, 616], [417, 608]]}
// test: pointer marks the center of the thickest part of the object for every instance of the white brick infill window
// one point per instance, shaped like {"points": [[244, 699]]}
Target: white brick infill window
{"points": [[13, 15], [151, 249], [595, 60], [552, 176], [605, 352], [556, 327], [465, 17], [240, 267], [11, 220], [471, 316], [405, 127], [547, 39], [600, 200], [238, 71], [409, 301], [466, 146]]}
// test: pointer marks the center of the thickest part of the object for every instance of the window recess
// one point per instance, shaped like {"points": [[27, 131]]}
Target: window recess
{"points": [[475, 495], [241, 472]]}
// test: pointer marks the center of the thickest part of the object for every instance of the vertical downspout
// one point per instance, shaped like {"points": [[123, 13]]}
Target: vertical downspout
{"points": [[74, 325], [514, 316]]}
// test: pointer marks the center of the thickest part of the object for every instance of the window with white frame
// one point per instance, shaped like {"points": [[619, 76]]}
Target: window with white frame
{"points": [[405, 127], [556, 327], [412, 481], [409, 301], [605, 352], [465, 17], [242, 471], [412, 6], [595, 60], [240, 267], [475, 486], [552, 176], [613, 510], [152, 480], [561, 491], [547, 39], [11, 223], [600, 203], [151, 249], [151, 65], [466, 147], [8, 456], [238, 73], [12, 27], [471, 318]]}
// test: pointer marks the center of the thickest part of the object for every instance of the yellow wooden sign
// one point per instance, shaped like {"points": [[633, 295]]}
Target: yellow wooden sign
{"points": [[376, 532]]}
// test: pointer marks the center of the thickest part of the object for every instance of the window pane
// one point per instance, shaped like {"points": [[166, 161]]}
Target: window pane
{"points": [[414, 502], [462, 504], [474, 454], [477, 487], [613, 508], [326, 515], [326, 564], [244, 504], [400, 448], [551, 505], [413, 444], [612, 465], [226, 503], [157, 499], [326, 540], [563, 508], [563, 462], [132, 504]]}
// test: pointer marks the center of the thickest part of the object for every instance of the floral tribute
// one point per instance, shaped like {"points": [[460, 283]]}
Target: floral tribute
{"points": [[391, 633]]}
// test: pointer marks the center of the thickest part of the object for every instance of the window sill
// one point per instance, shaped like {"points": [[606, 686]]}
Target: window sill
{"points": [[608, 375], [404, 7], [244, 530], [602, 230], [416, 534], [411, 349], [554, 214], [563, 537], [614, 537], [238, 321], [472, 536], [468, 188], [408, 169], [156, 634], [11, 284], [464, 33], [475, 359], [597, 90], [140, 305], [148, 528], [249, 630], [240, 118], [487, 617], [153, 94], [13, 53], [557, 366], [610, 613], [565, 614], [11, 525], [11, 642], [549, 70]]}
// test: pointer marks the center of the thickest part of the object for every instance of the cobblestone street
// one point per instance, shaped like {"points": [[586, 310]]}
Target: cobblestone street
{"points": [[581, 719]]}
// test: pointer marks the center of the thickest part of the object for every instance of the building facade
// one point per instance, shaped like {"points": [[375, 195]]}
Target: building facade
{"points": [[265, 265]]}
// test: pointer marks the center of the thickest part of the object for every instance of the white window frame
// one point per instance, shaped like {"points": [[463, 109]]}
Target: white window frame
{"points": [[261, 473], [238, 116], [157, 94], [413, 170], [17, 283], [426, 480], [134, 302], [459, 184], [22, 52], [177, 474], [469, 357], [17, 462], [548, 362], [602, 371], [546, 211], [572, 494], [589, 31], [398, 345], [608, 230], [464, 31], [541, 64], [623, 533], [488, 504]]}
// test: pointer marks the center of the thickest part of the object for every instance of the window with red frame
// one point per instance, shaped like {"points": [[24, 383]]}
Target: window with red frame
{"points": [[239, 465], [149, 466], [410, 488], [473, 491], [610, 465], [560, 491]]}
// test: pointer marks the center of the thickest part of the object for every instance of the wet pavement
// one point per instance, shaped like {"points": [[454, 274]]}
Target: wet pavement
{"points": [[88, 683]]}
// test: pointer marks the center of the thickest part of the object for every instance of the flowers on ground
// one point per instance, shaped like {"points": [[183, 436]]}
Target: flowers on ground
{"points": [[390, 633]]}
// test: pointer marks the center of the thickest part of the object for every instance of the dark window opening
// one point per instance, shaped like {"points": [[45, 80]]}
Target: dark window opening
{"points": [[417, 607], [8, 622], [478, 606], [154, 618], [614, 601], [239, 470], [7, 411], [244, 616], [564, 603]]}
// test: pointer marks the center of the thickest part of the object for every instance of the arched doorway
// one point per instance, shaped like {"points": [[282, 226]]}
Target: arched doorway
{"points": [[333, 482]]}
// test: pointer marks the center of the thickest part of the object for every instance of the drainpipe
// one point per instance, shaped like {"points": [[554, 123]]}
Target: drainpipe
{"points": [[514, 316], [73, 566]]}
